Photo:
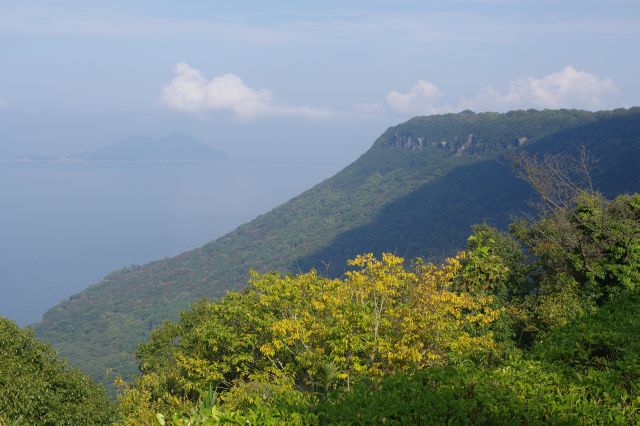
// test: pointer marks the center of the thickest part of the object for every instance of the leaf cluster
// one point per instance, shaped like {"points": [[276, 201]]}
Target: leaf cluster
{"points": [[36, 388]]}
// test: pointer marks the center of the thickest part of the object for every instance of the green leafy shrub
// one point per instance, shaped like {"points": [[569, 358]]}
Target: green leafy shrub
{"points": [[585, 373], [36, 388], [293, 338]]}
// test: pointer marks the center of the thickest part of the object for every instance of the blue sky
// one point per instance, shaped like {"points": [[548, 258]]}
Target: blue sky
{"points": [[298, 80]]}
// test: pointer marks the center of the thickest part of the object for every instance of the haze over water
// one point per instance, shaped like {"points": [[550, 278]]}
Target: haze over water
{"points": [[65, 225]]}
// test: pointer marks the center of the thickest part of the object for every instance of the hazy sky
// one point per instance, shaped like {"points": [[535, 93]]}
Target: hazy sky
{"points": [[297, 80]]}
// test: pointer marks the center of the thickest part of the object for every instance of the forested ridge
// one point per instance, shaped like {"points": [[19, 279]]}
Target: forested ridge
{"points": [[415, 193]]}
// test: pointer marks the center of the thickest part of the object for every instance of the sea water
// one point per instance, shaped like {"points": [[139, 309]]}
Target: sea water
{"points": [[65, 225]]}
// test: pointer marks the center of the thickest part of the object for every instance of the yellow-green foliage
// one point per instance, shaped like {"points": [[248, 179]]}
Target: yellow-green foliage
{"points": [[380, 318], [314, 333], [584, 373]]}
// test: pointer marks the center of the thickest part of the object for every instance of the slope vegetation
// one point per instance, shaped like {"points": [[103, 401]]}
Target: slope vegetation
{"points": [[414, 192]]}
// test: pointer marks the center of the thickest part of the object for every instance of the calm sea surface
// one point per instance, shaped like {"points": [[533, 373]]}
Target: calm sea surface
{"points": [[63, 226]]}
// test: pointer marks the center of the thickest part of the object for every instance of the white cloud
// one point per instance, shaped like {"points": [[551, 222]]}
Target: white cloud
{"points": [[3, 104], [568, 88], [421, 99], [190, 91]]}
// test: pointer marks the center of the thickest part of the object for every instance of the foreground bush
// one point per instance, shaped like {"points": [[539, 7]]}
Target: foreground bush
{"points": [[315, 334], [585, 373], [37, 389]]}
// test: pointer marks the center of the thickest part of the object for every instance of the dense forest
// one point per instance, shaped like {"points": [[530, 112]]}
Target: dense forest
{"points": [[415, 193], [513, 328], [516, 328]]}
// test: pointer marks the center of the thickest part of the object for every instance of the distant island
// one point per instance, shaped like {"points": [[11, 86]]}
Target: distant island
{"points": [[174, 147]]}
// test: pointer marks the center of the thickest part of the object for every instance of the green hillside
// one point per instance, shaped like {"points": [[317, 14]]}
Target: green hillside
{"points": [[434, 218], [414, 192]]}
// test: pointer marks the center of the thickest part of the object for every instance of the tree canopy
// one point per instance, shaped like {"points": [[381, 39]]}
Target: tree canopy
{"points": [[36, 388], [511, 330]]}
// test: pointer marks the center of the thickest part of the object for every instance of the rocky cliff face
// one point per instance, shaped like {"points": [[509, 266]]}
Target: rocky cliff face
{"points": [[408, 142], [471, 144]]}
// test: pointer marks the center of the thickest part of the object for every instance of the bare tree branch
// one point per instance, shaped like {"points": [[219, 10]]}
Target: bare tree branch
{"points": [[558, 179]]}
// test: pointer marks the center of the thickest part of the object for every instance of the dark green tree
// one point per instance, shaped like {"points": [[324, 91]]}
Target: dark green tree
{"points": [[38, 389]]}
